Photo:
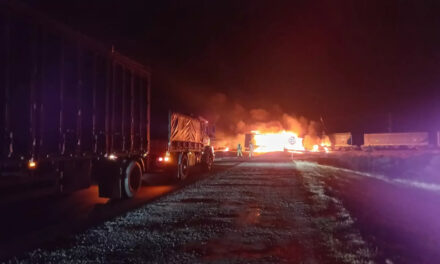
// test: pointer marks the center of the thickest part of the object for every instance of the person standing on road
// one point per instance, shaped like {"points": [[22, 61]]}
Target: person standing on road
{"points": [[251, 150], [239, 151]]}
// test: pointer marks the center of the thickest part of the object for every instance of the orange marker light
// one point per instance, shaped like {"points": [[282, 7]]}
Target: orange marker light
{"points": [[112, 157], [32, 165]]}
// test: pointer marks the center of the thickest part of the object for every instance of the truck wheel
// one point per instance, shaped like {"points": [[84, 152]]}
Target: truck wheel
{"points": [[207, 165], [133, 179], [182, 167]]}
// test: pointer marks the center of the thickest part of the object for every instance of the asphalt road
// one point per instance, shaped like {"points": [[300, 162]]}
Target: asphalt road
{"points": [[270, 209], [399, 217]]}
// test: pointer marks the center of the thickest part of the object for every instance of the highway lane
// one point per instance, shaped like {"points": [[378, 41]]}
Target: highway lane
{"points": [[400, 217]]}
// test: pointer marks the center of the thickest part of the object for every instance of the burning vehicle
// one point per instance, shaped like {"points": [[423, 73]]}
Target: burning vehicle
{"points": [[271, 142]]}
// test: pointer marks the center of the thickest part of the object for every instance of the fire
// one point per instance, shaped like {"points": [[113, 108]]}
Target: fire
{"points": [[325, 147], [322, 147], [285, 141], [226, 149], [270, 142]]}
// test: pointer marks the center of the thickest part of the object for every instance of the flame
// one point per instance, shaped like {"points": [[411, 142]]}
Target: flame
{"points": [[322, 147], [326, 144], [270, 142], [226, 149]]}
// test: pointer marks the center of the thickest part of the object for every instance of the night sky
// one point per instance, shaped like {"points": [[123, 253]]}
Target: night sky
{"points": [[355, 63]]}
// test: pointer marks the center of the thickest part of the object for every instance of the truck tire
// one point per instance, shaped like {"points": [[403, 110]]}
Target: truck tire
{"points": [[208, 162], [133, 179], [182, 167]]}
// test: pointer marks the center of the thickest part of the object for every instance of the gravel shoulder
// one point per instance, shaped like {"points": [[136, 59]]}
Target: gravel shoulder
{"points": [[256, 212]]}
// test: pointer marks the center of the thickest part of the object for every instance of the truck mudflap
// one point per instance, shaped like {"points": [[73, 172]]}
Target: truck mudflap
{"points": [[108, 174]]}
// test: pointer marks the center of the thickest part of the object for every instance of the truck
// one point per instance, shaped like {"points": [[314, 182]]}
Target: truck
{"points": [[396, 140], [74, 111], [188, 145], [268, 142], [341, 141]]}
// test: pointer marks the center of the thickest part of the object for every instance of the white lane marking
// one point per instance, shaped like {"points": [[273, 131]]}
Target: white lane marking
{"points": [[398, 181]]}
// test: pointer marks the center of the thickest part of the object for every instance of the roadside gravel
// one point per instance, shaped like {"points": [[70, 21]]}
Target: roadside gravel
{"points": [[256, 212]]}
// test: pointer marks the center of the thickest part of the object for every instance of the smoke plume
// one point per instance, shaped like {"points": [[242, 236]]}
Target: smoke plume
{"points": [[233, 121]]}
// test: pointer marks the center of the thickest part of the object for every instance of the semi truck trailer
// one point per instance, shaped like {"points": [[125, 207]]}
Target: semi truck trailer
{"points": [[74, 111], [70, 108]]}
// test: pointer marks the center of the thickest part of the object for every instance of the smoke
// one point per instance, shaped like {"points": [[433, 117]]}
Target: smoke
{"points": [[233, 121]]}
